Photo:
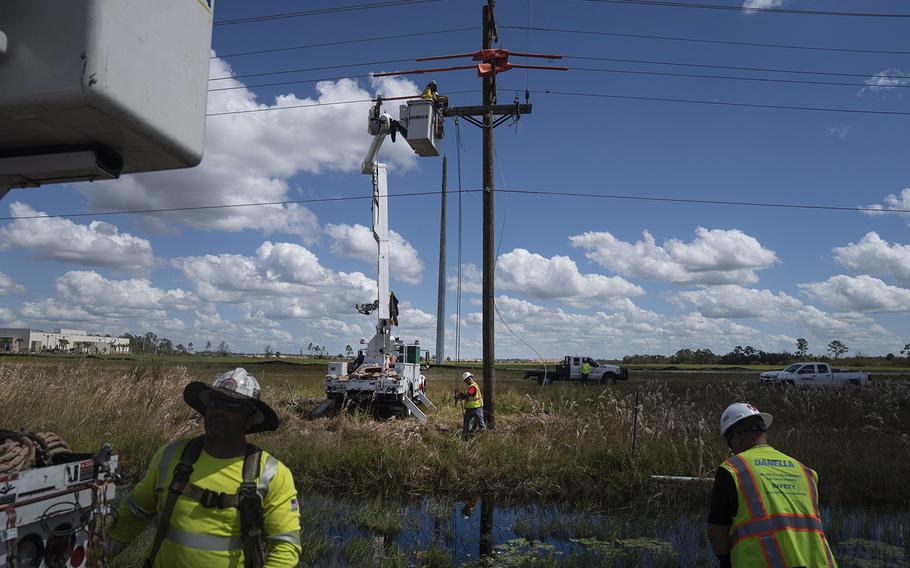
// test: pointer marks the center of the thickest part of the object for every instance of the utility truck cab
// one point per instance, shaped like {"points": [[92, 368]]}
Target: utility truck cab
{"points": [[814, 373]]}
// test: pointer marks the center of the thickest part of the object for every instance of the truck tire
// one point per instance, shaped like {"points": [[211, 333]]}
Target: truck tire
{"points": [[609, 379]]}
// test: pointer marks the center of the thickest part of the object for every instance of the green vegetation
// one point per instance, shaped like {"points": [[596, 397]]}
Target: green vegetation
{"points": [[560, 442]]}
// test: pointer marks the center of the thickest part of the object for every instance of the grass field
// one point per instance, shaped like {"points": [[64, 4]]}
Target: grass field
{"points": [[560, 442]]}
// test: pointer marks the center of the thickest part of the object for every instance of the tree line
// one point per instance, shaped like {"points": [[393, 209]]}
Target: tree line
{"points": [[749, 355]]}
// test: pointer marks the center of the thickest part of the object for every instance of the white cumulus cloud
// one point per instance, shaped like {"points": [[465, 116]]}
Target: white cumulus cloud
{"points": [[860, 294], [893, 202], [357, 241], [250, 156], [715, 256], [9, 286], [731, 301], [557, 278], [874, 255], [748, 5], [87, 299], [97, 244], [885, 81], [281, 281]]}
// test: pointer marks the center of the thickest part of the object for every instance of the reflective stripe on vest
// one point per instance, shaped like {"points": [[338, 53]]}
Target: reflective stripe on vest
{"points": [[775, 523], [269, 470], [476, 401], [202, 541]]}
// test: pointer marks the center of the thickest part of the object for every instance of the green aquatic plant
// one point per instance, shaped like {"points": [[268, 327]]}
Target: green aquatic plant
{"points": [[863, 553]]}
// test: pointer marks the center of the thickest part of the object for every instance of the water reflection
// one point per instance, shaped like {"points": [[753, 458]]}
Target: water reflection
{"points": [[478, 532]]}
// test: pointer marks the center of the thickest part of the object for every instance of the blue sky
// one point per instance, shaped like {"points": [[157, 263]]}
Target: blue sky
{"points": [[603, 276]]}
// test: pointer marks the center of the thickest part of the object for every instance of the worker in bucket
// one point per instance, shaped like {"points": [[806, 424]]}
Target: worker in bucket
{"points": [[473, 406], [217, 500], [440, 102], [764, 504]]}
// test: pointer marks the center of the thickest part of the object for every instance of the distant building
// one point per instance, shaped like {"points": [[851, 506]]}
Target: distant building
{"points": [[22, 340]]}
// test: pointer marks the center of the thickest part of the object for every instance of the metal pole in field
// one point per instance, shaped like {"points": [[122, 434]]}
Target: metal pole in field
{"points": [[635, 424], [441, 300], [489, 354]]}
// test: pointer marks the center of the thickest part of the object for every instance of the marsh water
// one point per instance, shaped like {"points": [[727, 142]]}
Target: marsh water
{"points": [[480, 532]]}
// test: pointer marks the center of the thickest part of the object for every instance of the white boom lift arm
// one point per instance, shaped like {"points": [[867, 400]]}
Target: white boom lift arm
{"points": [[374, 378]]}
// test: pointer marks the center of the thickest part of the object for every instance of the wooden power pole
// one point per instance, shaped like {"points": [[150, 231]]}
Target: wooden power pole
{"points": [[493, 61]]}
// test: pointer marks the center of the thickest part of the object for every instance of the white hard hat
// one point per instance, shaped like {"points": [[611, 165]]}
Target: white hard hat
{"points": [[237, 384], [739, 411], [467, 375]]}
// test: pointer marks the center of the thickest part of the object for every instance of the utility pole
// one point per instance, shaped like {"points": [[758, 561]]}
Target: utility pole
{"points": [[441, 300], [493, 61], [489, 348]]}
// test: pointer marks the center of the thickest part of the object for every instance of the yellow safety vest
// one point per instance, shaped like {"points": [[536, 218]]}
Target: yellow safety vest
{"points": [[777, 521], [585, 368], [202, 536], [475, 401]]}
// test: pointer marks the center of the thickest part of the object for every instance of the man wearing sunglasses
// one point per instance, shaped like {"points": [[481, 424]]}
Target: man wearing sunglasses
{"points": [[217, 499]]}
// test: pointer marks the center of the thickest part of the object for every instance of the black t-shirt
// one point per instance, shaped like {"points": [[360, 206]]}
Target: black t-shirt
{"points": [[724, 499]]}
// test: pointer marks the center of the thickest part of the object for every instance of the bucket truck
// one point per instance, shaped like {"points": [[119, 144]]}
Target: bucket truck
{"points": [[386, 374]]}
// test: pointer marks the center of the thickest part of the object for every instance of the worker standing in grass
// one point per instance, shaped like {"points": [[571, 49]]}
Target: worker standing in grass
{"points": [[764, 504], [217, 499], [473, 406], [585, 371]]}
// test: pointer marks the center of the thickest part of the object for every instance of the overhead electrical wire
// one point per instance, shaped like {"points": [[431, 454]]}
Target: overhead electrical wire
{"points": [[723, 103], [600, 70], [605, 96], [299, 82], [334, 43], [732, 78], [586, 58], [531, 192], [321, 11], [314, 105], [323, 68], [740, 8], [709, 41], [729, 67]]}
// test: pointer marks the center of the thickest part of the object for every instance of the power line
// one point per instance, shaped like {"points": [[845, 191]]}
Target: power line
{"points": [[698, 201], [709, 41], [334, 43], [601, 95], [725, 103], [280, 83], [666, 4], [542, 193], [312, 105], [323, 68], [729, 67], [321, 11], [593, 69], [582, 58], [727, 77]]}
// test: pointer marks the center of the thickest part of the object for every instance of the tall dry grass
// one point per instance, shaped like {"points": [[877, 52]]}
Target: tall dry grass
{"points": [[562, 442]]}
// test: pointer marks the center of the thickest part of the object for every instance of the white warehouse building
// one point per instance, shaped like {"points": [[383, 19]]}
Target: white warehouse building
{"points": [[21, 340]]}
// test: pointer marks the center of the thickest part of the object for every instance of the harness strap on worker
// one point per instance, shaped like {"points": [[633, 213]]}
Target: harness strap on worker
{"points": [[250, 510], [247, 501], [182, 472]]}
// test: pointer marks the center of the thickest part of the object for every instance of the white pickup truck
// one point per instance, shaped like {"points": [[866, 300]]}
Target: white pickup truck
{"points": [[570, 369], [814, 374]]}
